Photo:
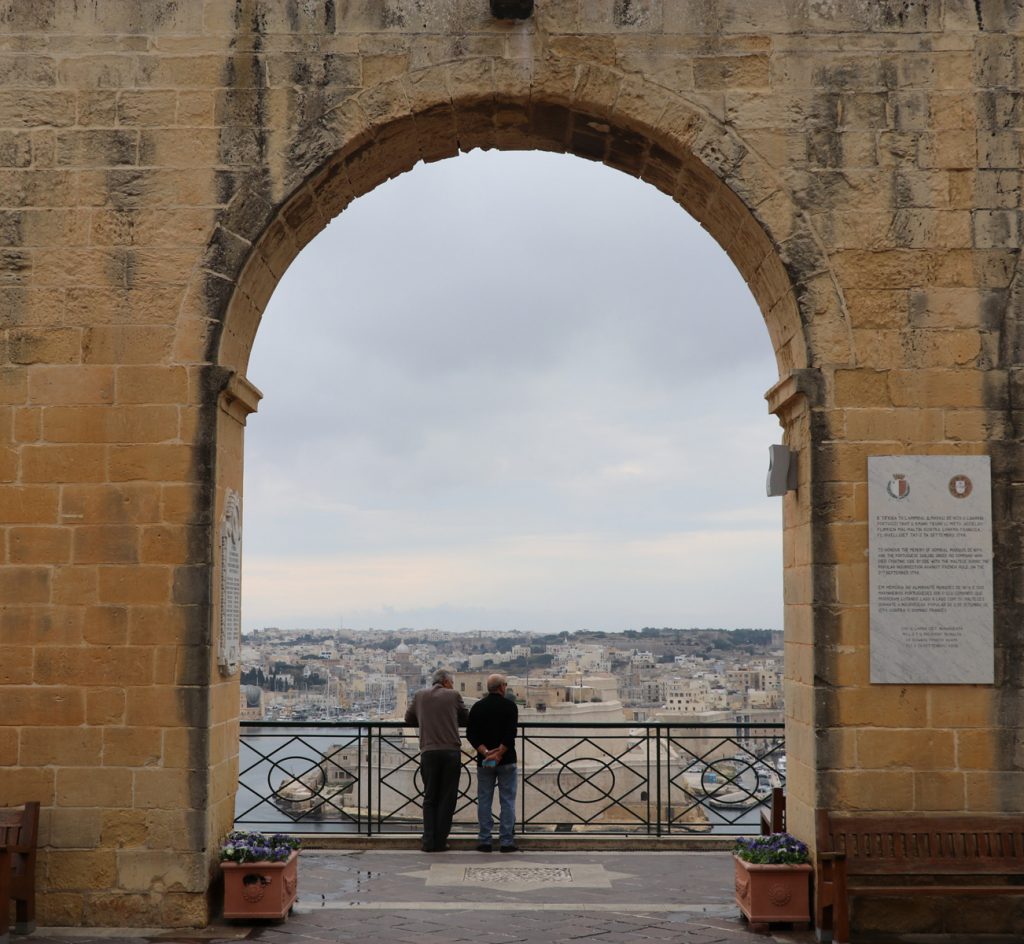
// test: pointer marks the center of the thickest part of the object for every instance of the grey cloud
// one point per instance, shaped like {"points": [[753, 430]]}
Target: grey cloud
{"points": [[492, 345]]}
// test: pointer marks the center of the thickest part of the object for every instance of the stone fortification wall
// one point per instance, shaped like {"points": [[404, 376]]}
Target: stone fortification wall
{"points": [[162, 163]]}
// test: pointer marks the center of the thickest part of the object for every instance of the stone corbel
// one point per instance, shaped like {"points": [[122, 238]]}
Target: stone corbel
{"points": [[239, 398], [794, 393]]}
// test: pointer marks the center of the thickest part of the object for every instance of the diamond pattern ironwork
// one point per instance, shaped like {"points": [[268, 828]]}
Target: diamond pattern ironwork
{"points": [[608, 777]]}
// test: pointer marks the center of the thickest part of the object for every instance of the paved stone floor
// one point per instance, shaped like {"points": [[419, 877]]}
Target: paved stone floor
{"points": [[402, 897], [535, 897], [529, 897]]}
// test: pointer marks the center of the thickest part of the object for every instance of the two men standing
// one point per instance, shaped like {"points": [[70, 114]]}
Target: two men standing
{"points": [[491, 730]]}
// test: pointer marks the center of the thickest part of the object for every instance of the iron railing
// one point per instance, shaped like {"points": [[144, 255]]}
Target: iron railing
{"points": [[651, 779]]}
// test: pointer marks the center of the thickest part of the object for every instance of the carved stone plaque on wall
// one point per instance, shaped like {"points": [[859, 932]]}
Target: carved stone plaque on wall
{"points": [[230, 585], [930, 554]]}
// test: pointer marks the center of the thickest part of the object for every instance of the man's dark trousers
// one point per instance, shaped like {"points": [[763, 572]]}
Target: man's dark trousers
{"points": [[440, 771]]}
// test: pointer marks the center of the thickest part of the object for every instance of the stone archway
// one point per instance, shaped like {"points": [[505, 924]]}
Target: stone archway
{"points": [[638, 129]]}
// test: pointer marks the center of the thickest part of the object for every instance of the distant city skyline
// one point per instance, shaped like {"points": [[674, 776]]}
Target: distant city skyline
{"points": [[511, 392], [413, 631]]}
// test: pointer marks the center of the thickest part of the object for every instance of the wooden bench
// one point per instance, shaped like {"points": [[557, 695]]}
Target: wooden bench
{"points": [[938, 855], [5, 893], [773, 818], [19, 831]]}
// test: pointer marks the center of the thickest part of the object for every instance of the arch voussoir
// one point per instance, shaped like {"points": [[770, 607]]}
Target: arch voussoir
{"points": [[592, 111]]}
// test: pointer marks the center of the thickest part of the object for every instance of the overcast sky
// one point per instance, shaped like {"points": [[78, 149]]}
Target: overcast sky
{"points": [[511, 391]]}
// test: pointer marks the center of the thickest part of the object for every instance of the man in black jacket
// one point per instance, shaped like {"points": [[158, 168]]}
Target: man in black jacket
{"points": [[491, 731]]}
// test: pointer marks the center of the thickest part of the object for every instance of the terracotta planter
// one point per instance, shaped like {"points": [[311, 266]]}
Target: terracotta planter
{"points": [[767, 893], [260, 889]]}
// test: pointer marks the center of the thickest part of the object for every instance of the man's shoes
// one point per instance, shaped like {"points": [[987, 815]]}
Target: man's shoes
{"points": [[483, 847], [511, 848], [443, 848]]}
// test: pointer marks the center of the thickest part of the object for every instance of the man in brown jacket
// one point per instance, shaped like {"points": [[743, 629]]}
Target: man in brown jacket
{"points": [[438, 712]]}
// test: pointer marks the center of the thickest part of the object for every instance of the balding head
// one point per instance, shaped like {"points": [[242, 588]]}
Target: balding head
{"points": [[496, 682]]}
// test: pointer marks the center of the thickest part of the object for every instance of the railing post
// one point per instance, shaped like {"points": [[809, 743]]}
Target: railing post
{"points": [[657, 777], [369, 779], [522, 793]]}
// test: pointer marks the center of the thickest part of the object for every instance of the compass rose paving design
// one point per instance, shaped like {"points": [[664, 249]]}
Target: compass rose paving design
{"points": [[541, 881]]}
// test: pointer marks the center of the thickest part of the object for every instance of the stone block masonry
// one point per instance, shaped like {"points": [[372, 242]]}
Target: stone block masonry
{"points": [[160, 166]]}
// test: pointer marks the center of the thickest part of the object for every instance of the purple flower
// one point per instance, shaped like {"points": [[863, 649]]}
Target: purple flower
{"points": [[776, 849], [256, 847]]}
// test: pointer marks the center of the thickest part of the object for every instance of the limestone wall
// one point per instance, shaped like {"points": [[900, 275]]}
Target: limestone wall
{"points": [[162, 163]]}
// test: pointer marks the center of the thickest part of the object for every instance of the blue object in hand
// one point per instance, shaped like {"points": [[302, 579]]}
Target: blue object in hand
{"points": [[490, 763]]}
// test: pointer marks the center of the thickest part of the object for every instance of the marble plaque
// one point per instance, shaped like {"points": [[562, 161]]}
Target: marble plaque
{"points": [[930, 555], [230, 585]]}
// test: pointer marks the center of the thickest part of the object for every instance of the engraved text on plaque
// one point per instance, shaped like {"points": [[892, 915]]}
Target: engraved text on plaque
{"points": [[930, 552]]}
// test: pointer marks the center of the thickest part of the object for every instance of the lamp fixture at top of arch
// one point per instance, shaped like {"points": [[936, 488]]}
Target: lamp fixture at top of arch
{"points": [[511, 9]]}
